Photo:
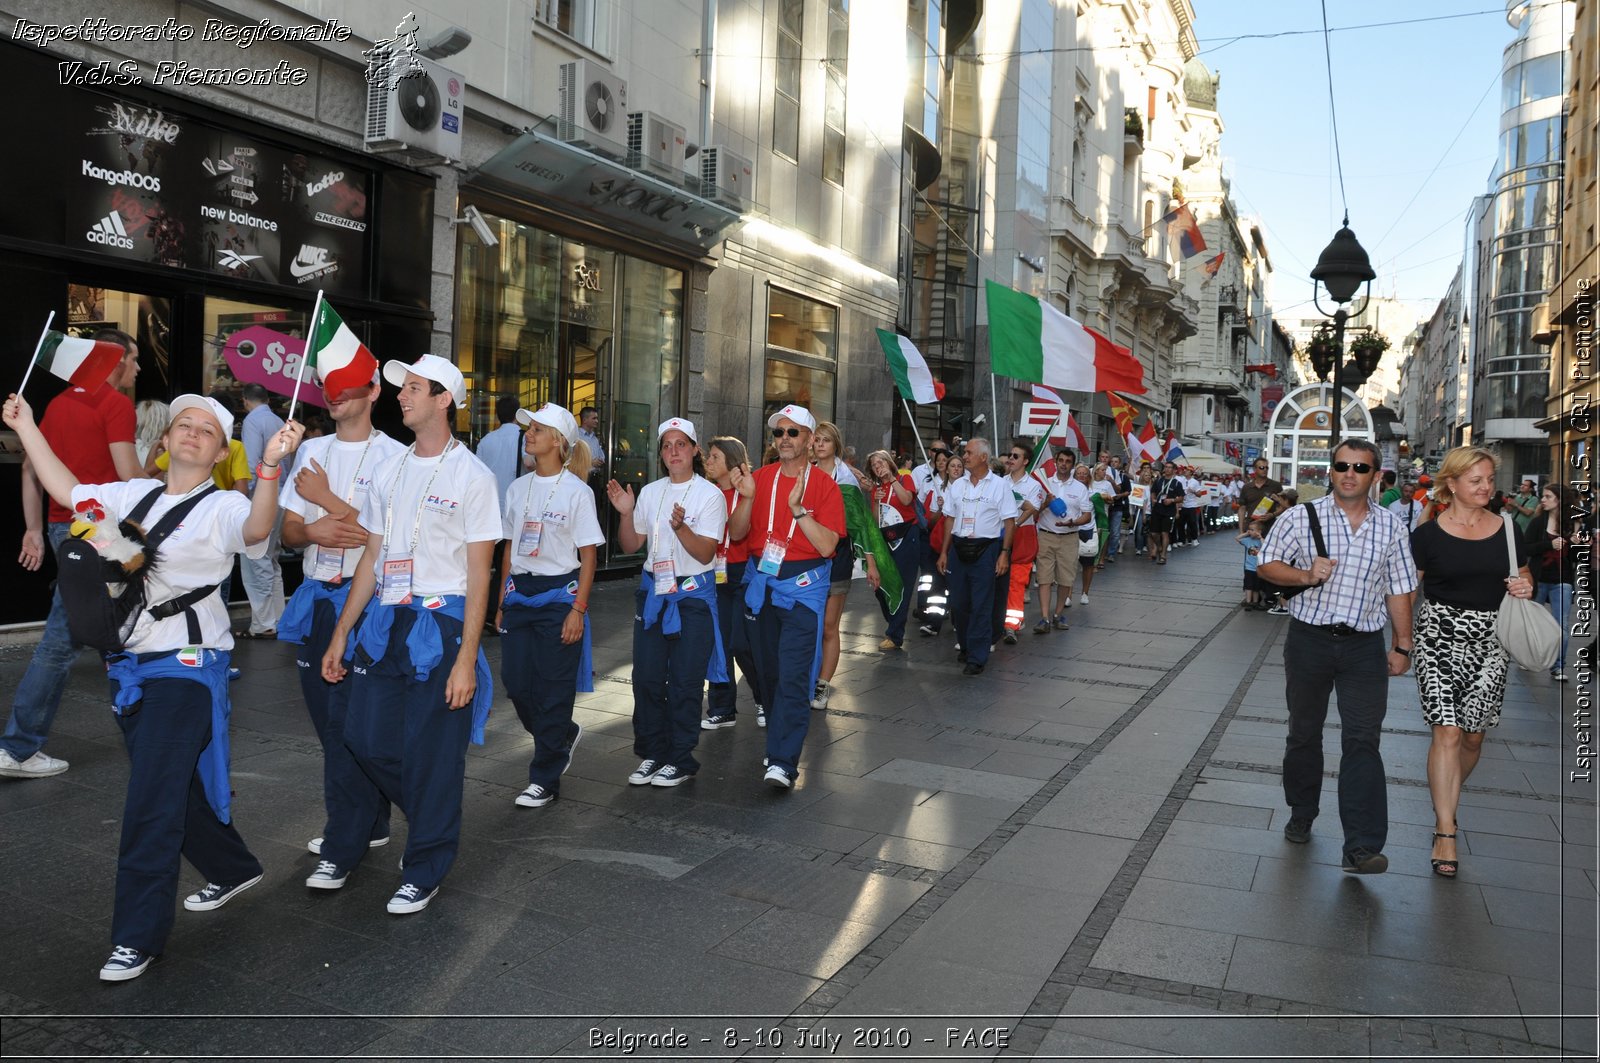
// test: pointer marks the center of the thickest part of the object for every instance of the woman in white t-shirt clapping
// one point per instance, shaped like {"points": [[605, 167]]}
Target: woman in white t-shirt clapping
{"points": [[551, 531]]}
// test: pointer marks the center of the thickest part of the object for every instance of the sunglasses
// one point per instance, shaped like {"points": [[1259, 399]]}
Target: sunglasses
{"points": [[1014, 457], [779, 433], [1345, 466]]}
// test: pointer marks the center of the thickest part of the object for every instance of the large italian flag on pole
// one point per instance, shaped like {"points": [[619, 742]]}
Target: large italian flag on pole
{"points": [[1030, 340], [909, 369]]}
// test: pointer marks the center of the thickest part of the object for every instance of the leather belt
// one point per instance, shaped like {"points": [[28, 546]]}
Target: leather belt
{"points": [[1339, 630]]}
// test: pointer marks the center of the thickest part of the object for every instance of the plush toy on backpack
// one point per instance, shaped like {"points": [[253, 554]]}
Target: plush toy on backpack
{"points": [[119, 541]]}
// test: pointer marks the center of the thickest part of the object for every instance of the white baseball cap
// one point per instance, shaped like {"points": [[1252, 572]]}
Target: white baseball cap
{"points": [[552, 416], [429, 367], [798, 414], [209, 405], [677, 424]]}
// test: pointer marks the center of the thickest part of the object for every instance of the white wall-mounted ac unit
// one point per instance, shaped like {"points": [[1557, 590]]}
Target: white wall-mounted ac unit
{"points": [[414, 111], [726, 174], [652, 138], [594, 103]]}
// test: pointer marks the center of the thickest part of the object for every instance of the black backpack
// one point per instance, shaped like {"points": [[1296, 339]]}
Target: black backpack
{"points": [[103, 600]]}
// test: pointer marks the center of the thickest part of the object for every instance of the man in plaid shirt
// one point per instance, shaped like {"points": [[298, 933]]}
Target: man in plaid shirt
{"points": [[1336, 642]]}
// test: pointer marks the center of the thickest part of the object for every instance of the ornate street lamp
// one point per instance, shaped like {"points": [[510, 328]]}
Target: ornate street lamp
{"points": [[1342, 268]]}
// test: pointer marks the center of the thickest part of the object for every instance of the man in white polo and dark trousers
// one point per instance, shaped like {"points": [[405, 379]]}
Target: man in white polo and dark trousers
{"points": [[322, 507], [420, 688], [980, 516]]}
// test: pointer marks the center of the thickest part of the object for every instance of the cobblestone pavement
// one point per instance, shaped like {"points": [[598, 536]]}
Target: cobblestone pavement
{"points": [[1076, 855]]}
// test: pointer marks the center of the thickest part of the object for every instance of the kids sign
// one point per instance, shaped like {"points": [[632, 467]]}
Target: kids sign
{"points": [[258, 355]]}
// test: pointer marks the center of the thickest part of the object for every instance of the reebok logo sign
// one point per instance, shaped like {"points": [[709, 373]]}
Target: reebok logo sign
{"points": [[121, 177], [110, 232]]}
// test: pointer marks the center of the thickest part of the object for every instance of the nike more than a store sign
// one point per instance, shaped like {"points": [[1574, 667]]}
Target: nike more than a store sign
{"points": [[110, 231], [312, 262]]}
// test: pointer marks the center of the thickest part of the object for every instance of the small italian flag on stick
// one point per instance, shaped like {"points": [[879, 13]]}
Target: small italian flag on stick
{"points": [[82, 363], [336, 359]]}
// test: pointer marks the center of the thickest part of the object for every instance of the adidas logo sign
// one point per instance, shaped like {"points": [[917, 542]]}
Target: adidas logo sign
{"points": [[109, 231]]}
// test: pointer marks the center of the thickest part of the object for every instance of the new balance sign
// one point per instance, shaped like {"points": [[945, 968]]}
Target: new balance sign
{"points": [[110, 231]]}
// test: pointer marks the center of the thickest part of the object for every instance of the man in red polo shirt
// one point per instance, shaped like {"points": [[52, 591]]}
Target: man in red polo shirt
{"points": [[790, 533], [92, 433]]}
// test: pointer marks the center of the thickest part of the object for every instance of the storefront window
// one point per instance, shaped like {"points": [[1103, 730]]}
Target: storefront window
{"points": [[802, 353], [251, 343], [147, 318]]}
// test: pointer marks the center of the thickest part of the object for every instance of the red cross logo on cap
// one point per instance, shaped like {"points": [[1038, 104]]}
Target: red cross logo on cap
{"points": [[673, 422]]}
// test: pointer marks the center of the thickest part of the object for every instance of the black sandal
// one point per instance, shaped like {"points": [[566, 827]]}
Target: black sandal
{"points": [[1446, 868]]}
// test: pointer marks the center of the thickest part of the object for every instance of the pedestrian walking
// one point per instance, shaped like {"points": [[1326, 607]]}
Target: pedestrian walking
{"points": [[786, 588], [1066, 514], [502, 451], [1117, 513], [1166, 495], [1251, 539], [1012, 593], [1549, 541], [262, 576], [1354, 559], [933, 589], [678, 521], [894, 506], [420, 688], [551, 531], [827, 451], [169, 685], [322, 516], [1461, 666], [92, 433], [980, 519], [728, 466]]}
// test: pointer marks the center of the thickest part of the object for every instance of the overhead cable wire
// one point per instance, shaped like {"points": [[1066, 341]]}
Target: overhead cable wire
{"points": [[1333, 114]]}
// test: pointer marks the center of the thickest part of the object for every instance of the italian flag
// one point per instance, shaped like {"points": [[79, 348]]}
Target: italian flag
{"points": [[861, 525], [335, 356], [910, 369], [1030, 340], [82, 363]]}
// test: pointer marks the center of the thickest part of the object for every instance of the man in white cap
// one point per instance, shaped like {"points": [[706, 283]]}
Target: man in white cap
{"points": [[322, 507], [793, 527], [432, 525]]}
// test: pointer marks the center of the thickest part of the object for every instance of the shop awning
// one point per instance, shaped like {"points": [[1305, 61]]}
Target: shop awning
{"points": [[669, 212]]}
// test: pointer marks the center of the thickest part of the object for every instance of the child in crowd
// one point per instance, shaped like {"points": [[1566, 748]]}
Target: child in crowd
{"points": [[1251, 539]]}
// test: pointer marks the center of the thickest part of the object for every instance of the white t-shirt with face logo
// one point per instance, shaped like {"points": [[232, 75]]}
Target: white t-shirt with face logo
{"points": [[353, 469], [705, 511], [442, 503], [197, 554], [563, 508]]}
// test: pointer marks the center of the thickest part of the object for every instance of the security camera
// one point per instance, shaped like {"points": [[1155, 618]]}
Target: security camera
{"points": [[447, 43], [977, 422], [474, 217]]}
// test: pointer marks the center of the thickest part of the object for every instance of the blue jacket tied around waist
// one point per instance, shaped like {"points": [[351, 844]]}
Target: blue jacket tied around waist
{"points": [[554, 596], [425, 646], [295, 624], [808, 589], [664, 609], [130, 671]]}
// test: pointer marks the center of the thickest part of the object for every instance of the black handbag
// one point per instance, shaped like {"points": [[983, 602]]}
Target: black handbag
{"points": [[970, 551], [1322, 551]]}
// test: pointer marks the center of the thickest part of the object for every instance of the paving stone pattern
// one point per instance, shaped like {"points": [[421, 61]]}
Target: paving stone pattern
{"points": [[1078, 854]]}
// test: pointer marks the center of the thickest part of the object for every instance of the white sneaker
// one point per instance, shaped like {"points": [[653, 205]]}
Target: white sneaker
{"points": [[761, 716], [39, 766], [535, 796], [670, 776], [125, 963], [409, 898], [644, 773], [314, 846], [327, 876], [778, 779], [1083, 599], [215, 896], [819, 699]]}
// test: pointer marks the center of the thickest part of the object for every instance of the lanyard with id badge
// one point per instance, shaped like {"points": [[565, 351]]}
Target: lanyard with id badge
{"points": [[532, 534], [394, 577], [662, 569], [772, 554], [327, 564]]}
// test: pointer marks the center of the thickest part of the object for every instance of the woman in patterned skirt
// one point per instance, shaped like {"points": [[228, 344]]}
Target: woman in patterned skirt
{"points": [[1461, 668]]}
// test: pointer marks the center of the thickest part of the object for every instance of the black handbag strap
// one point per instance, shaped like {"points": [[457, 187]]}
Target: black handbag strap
{"points": [[185, 602], [1316, 530]]}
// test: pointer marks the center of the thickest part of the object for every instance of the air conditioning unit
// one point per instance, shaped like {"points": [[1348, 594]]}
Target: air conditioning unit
{"points": [[725, 174], [651, 138], [411, 111], [594, 103]]}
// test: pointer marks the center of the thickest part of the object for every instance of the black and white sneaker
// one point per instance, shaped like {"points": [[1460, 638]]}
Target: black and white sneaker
{"points": [[671, 776], [761, 715], [327, 876], [535, 796], [644, 773], [409, 898], [719, 721], [125, 963], [214, 896], [778, 779], [314, 846], [572, 745]]}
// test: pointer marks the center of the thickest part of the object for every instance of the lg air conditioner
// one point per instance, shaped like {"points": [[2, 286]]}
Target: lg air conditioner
{"points": [[726, 175], [652, 140], [417, 105], [594, 104]]}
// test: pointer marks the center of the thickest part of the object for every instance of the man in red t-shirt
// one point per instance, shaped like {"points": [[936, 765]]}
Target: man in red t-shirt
{"points": [[790, 532], [92, 433]]}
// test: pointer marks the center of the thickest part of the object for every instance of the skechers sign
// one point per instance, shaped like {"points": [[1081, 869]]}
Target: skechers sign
{"points": [[121, 177]]}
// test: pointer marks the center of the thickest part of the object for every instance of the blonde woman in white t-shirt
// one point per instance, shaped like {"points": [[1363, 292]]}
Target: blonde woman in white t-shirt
{"points": [[551, 531]]}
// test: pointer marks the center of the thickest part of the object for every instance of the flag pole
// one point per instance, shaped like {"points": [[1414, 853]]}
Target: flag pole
{"points": [[305, 356], [1044, 446], [37, 347], [994, 412], [912, 418]]}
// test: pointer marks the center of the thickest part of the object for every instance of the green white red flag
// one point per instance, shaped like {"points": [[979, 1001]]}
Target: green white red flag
{"points": [[1032, 340], [83, 363], [336, 359], [910, 370]]}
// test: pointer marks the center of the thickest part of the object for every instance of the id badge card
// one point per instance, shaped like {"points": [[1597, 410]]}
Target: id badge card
{"points": [[969, 526], [395, 587], [720, 566], [666, 577], [532, 534], [772, 556], [328, 564]]}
